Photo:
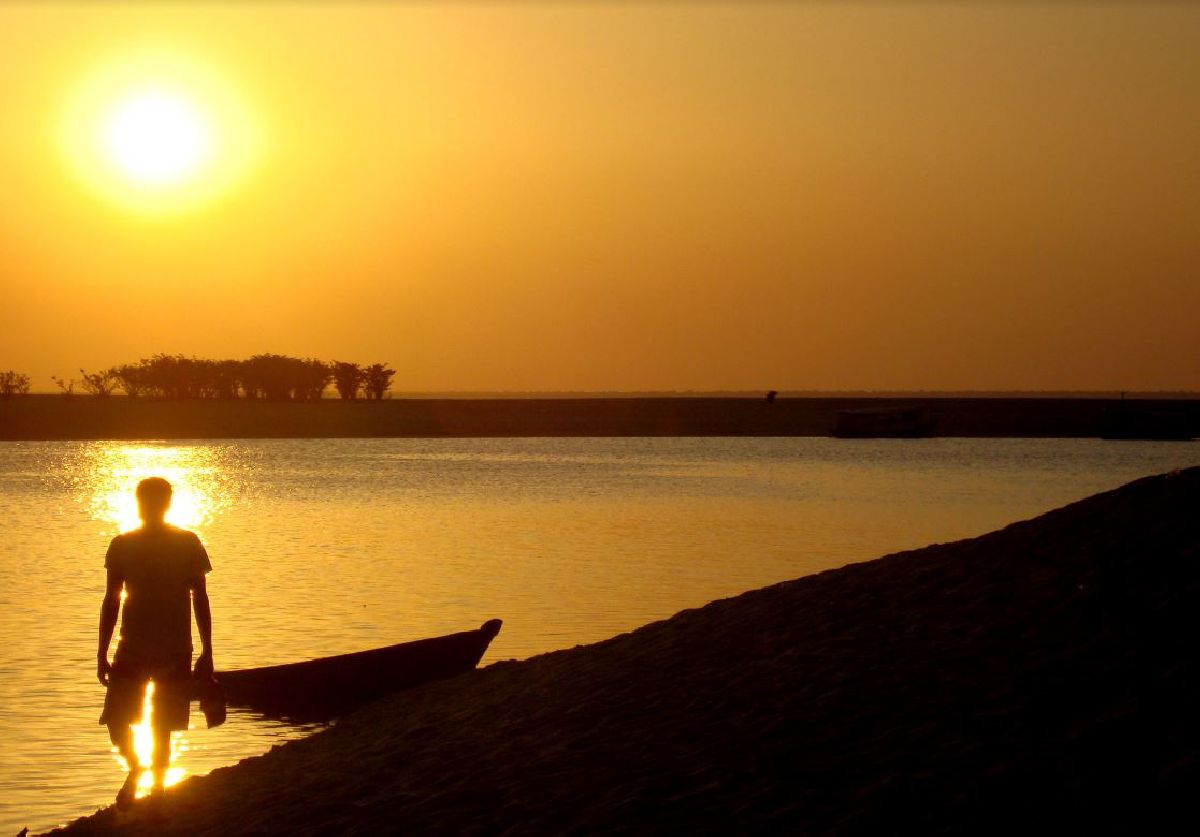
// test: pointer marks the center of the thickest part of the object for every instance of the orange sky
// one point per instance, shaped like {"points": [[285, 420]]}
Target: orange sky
{"points": [[633, 196]]}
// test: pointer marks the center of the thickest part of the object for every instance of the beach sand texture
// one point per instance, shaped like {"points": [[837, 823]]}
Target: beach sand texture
{"points": [[1040, 676]]}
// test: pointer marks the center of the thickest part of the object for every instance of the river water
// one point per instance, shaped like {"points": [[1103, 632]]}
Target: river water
{"points": [[328, 546]]}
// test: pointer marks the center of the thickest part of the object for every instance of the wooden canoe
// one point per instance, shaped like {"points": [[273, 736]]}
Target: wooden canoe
{"points": [[321, 689]]}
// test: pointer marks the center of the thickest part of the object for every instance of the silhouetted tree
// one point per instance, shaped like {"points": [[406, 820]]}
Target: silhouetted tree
{"points": [[280, 377], [251, 380], [188, 375], [272, 375], [166, 376], [209, 378], [227, 377], [100, 384], [347, 377], [157, 375], [13, 383], [376, 380], [315, 376], [132, 378]]}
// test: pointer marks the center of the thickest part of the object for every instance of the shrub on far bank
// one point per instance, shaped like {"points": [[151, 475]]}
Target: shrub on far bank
{"points": [[100, 384], [13, 383]]}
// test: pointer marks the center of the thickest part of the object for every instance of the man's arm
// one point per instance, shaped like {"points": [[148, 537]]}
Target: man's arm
{"points": [[109, 609], [204, 663]]}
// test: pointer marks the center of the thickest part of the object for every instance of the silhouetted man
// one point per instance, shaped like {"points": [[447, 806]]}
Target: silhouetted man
{"points": [[161, 569]]}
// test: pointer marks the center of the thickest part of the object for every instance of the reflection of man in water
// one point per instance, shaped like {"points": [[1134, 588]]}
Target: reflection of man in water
{"points": [[158, 566]]}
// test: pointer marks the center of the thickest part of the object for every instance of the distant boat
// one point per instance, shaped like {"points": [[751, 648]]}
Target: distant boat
{"points": [[1151, 425], [321, 689], [885, 423]]}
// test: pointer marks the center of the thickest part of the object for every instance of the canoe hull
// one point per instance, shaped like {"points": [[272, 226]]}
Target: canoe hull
{"points": [[321, 689]]}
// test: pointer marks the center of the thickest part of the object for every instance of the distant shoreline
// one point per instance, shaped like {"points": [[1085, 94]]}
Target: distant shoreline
{"points": [[41, 417]]}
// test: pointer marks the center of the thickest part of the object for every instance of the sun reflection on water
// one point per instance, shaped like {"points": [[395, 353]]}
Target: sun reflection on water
{"points": [[110, 472]]}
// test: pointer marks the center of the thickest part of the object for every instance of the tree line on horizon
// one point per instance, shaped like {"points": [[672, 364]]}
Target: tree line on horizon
{"points": [[270, 377]]}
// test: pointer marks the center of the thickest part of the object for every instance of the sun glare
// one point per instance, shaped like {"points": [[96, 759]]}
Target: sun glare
{"points": [[158, 133], [157, 137], [107, 473]]}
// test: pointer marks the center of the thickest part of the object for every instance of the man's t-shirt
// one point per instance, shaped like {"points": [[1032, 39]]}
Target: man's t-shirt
{"points": [[159, 565]]}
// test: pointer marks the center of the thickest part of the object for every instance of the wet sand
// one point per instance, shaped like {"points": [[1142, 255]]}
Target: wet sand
{"points": [[1042, 676], [53, 418]]}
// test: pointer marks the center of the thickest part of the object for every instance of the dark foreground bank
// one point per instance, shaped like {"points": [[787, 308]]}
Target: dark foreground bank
{"points": [[1040, 677], [52, 417]]}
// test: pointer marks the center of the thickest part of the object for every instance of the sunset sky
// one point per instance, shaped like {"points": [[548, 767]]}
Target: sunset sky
{"points": [[624, 196]]}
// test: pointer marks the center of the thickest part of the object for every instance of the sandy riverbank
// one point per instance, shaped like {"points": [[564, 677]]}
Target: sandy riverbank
{"points": [[51, 417], [1042, 676]]}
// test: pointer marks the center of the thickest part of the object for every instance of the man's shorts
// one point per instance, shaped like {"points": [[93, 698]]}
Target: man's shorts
{"points": [[171, 701]]}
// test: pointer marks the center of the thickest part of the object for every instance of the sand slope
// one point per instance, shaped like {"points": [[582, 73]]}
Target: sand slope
{"points": [[1039, 676]]}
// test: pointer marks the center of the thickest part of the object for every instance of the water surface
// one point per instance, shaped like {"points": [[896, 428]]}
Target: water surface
{"points": [[328, 546]]}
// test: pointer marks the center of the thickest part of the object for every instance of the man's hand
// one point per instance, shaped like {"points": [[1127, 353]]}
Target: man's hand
{"points": [[108, 621], [204, 665]]}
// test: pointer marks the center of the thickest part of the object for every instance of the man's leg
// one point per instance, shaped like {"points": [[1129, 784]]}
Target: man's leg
{"points": [[122, 738], [122, 707], [172, 704], [162, 754]]}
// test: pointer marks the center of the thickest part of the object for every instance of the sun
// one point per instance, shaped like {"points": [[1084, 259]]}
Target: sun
{"points": [[158, 133], [158, 137]]}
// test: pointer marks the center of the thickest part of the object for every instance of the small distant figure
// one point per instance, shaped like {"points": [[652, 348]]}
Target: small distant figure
{"points": [[161, 569], [771, 396]]}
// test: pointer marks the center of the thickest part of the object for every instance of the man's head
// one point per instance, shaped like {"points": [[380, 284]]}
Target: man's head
{"points": [[154, 498]]}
